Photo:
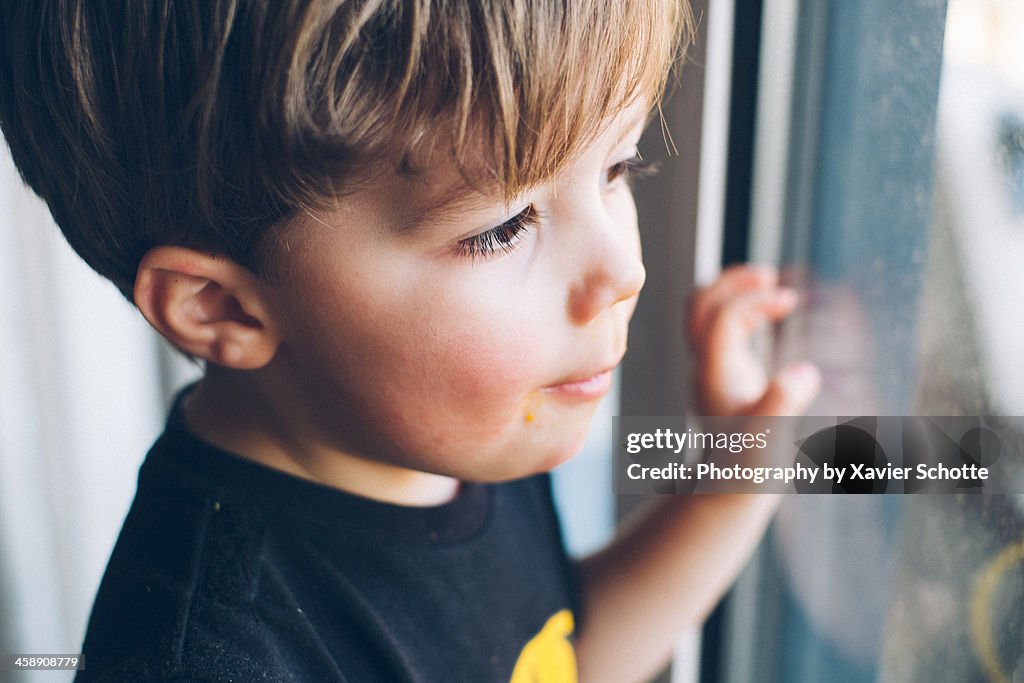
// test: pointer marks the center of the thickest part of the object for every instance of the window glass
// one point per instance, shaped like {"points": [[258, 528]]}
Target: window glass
{"points": [[903, 223]]}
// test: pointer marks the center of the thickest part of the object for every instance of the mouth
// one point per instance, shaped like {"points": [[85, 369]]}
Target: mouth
{"points": [[583, 388]]}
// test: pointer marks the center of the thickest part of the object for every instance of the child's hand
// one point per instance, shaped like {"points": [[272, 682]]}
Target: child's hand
{"points": [[730, 378]]}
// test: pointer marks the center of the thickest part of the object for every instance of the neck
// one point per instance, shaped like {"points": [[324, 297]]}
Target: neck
{"points": [[230, 410]]}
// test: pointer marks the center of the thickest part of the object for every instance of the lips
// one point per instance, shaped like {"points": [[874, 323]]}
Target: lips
{"points": [[583, 387]]}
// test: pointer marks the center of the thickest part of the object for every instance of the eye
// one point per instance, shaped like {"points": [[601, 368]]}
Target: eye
{"points": [[502, 238], [630, 169]]}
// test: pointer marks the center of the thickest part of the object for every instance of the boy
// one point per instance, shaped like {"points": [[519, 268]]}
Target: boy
{"points": [[400, 236]]}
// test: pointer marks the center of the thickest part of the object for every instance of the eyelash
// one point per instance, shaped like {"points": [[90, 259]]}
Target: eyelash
{"points": [[502, 238], [506, 236], [631, 169]]}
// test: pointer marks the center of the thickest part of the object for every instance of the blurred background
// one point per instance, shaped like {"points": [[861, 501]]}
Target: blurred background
{"points": [[83, 388]]}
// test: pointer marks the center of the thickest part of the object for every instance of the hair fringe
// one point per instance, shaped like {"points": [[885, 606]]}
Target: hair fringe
{"points": [[208, 123]]}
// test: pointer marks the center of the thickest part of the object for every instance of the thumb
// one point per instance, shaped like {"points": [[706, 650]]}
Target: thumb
{"points": [[790, 392]]}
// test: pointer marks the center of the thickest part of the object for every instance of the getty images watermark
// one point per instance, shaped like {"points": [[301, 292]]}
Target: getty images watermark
{"points": [[819, 455]]}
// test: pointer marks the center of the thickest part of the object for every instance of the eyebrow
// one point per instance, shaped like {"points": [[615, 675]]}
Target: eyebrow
{"points": [[460, 198]]}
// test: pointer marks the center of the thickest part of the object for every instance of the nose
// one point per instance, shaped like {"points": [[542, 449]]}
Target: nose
{"points": [[613, 272]]}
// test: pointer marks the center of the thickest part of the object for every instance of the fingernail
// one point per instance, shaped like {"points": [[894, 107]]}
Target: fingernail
{"points": [[788, 296], [802, 377], [765, 272]]}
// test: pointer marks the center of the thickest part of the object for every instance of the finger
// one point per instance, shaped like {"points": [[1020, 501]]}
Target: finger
{"points": [[734, 281], [730, 375], [735, 321], [790, 392]]}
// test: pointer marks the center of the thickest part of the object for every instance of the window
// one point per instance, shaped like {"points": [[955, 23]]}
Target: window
{"points": [[887, 181]]}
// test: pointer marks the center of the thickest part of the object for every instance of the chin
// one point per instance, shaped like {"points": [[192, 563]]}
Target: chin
{"points": [[528, 461], [559, 454], [539, 446]]}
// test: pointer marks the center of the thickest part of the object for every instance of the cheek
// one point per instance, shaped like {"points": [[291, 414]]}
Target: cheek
{"points": [[483, 361], [462, 367], [439, 372], [490, 360]]}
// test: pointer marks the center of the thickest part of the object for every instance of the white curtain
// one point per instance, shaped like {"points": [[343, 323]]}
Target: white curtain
{"points": [[83, 389]]}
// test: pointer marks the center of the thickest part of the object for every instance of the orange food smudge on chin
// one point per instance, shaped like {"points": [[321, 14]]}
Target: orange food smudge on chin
{"points": [[530, 406]]}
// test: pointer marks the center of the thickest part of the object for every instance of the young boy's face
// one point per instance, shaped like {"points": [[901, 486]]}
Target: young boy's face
{"points": [[429, 327]]}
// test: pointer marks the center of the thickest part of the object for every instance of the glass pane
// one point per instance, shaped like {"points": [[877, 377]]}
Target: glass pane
{"points": [[958, 588], [905, 228]]}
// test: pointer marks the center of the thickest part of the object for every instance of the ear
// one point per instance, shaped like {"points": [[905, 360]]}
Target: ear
{"points": [[207, 305]]}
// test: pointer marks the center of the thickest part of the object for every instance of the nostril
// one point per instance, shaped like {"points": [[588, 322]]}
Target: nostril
{"points": [[582, 306]]}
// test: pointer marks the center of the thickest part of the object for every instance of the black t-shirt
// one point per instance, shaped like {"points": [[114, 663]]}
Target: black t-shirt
{"points": [[226, 570]]}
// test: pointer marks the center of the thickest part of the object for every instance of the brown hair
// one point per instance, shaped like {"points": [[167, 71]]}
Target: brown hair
{"points": [[205, 123]]}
